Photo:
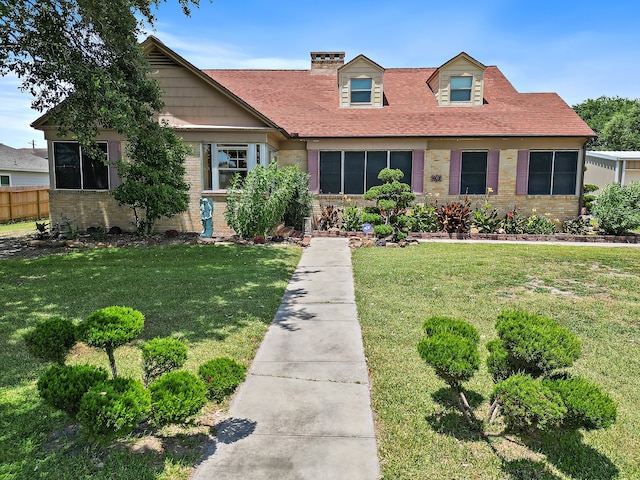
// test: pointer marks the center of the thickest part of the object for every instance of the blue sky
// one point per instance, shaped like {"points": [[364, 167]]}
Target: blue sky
{"points": [[578, 49]]}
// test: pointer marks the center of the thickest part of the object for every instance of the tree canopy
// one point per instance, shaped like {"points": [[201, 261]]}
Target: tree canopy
{"points": [[615, 120], [82, 62]]}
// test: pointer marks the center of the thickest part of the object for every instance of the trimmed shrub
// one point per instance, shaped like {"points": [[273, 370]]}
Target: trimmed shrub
{"points": [[436, 325], [62, 387], [175, 397], [51, 340], [587, 405], [528, 404], [161, 355], [454, 358], [113, 408], [110, 328], [382, 231], [498, 361], [536, 345], [222, 376], [617, 208]]}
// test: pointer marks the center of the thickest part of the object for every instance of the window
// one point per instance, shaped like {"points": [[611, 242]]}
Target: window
{"points": [[361, 90], [5, 181], [222, 161], [473, 173], [461, 89], [355, 172], [553, 173], [78, 171]]}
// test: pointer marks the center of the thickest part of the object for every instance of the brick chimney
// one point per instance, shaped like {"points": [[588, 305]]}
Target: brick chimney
{"points": [[326, 60]]}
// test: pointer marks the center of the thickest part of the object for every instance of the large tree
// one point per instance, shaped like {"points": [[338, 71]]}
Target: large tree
{"points": [[614, 120], [82, 62]]}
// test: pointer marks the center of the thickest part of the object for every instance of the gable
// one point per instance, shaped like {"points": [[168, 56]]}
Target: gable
{"points": [[463, 72], [361, 69]]}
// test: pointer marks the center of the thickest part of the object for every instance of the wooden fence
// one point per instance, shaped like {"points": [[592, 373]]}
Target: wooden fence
{"points": [[23, 203]]}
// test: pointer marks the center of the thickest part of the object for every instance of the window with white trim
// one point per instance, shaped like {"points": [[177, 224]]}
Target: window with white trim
{"points": [[76, 170], [460, 89], [553, 172], [5, 181], [355, 172], [361, 90], [473, 173], [221, 161]]}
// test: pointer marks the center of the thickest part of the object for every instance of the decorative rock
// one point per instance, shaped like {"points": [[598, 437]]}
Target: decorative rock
{"points": [[259, 240], [115, 231], [381, 242]]}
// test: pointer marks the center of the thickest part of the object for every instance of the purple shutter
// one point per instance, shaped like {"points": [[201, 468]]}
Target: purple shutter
{"points": [[493, 166], [114, 158], [522, 175], [455, 164], [312, 168], [417, 172]]}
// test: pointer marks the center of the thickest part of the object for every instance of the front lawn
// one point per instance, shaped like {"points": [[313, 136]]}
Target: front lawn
{"points": [[218, 299], [595, 291]]}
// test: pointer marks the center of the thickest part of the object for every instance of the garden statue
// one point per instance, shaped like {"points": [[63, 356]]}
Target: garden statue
{"points": [[206, 217]]}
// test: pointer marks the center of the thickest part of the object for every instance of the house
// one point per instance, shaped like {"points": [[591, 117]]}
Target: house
{"points": [[455, 130], [19, 168], [603, 168]]}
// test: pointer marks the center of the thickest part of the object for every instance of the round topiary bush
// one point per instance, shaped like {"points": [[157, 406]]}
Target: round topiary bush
{"points": [[528, 404], [454, 358], [62, 387], [161, 355], [536, 345], [113, 408], [175, 397], [51, 340], [382, 231], [587, 405], [222, 376], [436, 325], [110, 328], [498, 361]]}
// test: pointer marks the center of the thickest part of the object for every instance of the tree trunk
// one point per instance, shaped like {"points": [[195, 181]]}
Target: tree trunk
{"points": [[112, 362]]}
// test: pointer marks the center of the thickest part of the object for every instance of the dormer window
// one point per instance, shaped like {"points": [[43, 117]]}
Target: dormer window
{"points": [[361, 90], [461, 89]]}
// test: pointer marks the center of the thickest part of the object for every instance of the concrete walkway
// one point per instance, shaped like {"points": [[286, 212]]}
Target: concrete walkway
{"points": [[304, 410]]}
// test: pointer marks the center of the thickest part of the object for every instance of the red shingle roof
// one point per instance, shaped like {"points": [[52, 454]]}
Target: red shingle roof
{"points": [[307, 104]]}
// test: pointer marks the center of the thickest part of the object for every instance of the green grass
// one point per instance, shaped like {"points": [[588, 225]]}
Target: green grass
{"points": [[19, 229], [218, 299], [595, 291]]}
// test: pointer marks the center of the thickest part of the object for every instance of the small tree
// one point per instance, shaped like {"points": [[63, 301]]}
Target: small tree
{"points": [[617, 208], [161, 355], [392, 200], [451, 349], [153, 182], [110, 328]]}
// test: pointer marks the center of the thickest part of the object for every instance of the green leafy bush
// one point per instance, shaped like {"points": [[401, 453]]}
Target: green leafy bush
{"points": [[111, 327], [113, 408], [539, 225], [51, 340], [372, 218], [576, 226], [485, 219], [62, 387], [513, 223], [423, 218], [222, 376], [382, 231], [617, 208], [175, 397], [352, 218], [536, 345], [161, 355], [498, 361], [528, 404], [587, 405]]}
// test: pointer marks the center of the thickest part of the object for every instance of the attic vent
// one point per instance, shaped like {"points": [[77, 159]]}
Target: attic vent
{"points": [[159, 59], [327, 60]]}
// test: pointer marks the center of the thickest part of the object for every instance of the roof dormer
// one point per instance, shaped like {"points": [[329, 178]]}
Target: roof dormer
{"points": [[360, 84], [459, 82]]}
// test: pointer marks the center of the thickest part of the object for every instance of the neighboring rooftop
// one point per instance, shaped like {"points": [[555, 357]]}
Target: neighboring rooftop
{"points": [[614, 155], [17, 160]]}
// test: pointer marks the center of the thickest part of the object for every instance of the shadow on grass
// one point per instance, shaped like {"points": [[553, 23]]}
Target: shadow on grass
{"points": [[452, 422], [568, 452], [527, 469]]}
